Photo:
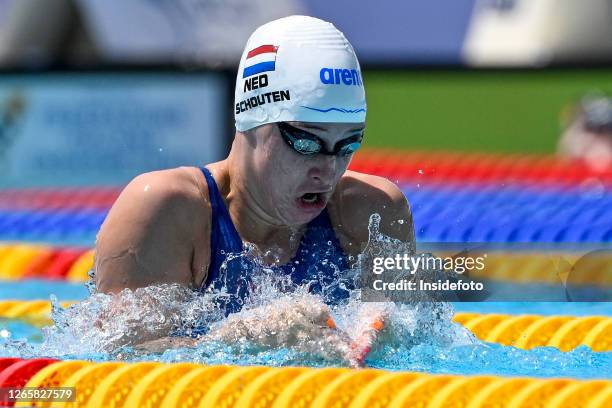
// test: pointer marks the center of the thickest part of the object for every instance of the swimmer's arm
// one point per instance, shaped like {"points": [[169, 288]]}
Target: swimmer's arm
{"points": [[165, 343], [147, 237], [360, 196], [146, 315]]}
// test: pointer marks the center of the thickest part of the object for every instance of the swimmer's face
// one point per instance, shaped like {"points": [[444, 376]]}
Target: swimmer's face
{"points": [[295, 186]]}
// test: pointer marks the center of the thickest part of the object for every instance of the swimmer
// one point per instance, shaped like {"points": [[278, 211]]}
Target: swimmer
{"points": [[284, 189]]}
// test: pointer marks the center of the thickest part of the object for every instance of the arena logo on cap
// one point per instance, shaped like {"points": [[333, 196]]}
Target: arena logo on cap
{"points": [[260, 59], [340, 76]]}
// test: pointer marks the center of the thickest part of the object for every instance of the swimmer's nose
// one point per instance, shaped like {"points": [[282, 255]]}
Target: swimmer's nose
{"points": [[324, 169]]}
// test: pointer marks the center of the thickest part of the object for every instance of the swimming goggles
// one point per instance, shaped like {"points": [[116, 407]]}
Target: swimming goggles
{"points": [[308, 144]]}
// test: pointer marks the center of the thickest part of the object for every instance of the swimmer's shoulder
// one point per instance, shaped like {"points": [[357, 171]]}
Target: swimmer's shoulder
{"points": [[165, 192], [359, 195], [163, 216]]}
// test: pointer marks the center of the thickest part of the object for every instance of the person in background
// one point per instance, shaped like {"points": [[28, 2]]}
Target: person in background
{"points": [[588, 132]]}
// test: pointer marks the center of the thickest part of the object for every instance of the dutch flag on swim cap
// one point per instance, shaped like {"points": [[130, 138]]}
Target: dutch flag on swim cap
{"points": [[298, 68], [260, 59]]}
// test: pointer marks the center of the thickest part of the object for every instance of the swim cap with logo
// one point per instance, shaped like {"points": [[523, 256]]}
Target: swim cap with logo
{"points": [[298, 68]]}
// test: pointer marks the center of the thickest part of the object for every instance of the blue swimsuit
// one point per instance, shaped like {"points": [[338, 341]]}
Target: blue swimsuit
{"points": [[319, 260]]}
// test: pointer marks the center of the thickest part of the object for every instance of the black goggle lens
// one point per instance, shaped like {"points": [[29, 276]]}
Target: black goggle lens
{"points": [[306, 143], [349, 148], [306, 146]]}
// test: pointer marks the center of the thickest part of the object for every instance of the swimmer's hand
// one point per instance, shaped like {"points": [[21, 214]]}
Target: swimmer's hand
{"points": [[298, 322], [285, 322], [370, 322]]}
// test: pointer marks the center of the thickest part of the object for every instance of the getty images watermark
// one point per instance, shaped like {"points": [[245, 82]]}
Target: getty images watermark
{"points": [[486, 272], [425, 272]]}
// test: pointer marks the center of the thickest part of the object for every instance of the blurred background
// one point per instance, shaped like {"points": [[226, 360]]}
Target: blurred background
{"points": [[492, 92], [97, 91]]}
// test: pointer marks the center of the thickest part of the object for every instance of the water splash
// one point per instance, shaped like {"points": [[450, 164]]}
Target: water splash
{"points": [[282, 324]]}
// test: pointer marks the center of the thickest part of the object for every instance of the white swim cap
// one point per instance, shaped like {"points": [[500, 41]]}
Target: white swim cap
{"points": [[298, 68]]}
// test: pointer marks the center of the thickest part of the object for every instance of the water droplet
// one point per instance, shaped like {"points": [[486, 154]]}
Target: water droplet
{"points": [[421, 171], [161, 150]]}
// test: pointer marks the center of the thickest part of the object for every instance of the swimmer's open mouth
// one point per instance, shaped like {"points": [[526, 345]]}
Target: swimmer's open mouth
{"points": [[312, 200]]}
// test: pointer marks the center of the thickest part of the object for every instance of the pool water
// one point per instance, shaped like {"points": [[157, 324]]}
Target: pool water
{"points": [[418, 336]]}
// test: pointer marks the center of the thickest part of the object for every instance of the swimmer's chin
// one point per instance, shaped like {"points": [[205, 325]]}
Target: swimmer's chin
{"points": [[296, 216]]}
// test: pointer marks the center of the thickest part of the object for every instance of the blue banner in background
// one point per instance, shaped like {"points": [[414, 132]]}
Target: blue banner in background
{"points": [[92, 129]]}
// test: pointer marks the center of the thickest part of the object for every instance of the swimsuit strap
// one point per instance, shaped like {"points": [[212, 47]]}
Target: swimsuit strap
{"points": [[224, 238]]}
